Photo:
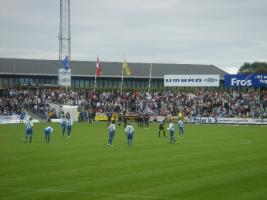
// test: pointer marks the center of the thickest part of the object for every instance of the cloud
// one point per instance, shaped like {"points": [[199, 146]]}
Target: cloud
{"points": [[224, 33]]}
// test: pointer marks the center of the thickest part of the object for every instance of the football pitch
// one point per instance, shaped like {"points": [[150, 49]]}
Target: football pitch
{"points": [[211, 162]]}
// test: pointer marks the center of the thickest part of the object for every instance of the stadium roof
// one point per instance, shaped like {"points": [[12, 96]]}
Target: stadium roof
{"points": [[13, 66]]}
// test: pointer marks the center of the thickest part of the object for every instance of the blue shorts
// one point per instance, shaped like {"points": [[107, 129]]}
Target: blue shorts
{"points": [[47, 132], [129, 136], [29, 131], [111, 134], [171, 133]]}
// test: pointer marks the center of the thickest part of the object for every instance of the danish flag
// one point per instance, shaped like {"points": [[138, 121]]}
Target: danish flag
{"points": [[98, 71]]}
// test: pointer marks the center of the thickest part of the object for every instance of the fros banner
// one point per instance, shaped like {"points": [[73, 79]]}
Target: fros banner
{"points": [[64, 77], [192, 80], [245, 80]]}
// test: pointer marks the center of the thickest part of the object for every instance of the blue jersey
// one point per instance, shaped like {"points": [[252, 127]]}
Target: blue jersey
{"points": [[22, 115], [48, 130]]}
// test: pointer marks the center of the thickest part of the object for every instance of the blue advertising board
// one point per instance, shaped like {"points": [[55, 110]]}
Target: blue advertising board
{"points": [[245, 80]]}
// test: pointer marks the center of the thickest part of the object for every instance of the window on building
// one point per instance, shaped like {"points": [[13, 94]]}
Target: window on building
{"points": [[81, 83], [5, 82], [11, 82], [115, 84], [86, 83], [92, 82], [76, 83]]}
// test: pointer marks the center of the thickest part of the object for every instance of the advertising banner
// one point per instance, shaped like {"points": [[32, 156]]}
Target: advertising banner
{"points": [[166, 118], [245, 80], [191, 80], [101, 117], [64, 77], [104, 117], [12, 119], [217, 120]]}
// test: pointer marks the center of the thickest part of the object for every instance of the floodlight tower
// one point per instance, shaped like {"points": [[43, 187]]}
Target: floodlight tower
{"points": [[64, 31]]}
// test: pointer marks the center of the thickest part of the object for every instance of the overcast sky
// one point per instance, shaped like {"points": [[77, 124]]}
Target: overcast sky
{"points": [[225, 33]]}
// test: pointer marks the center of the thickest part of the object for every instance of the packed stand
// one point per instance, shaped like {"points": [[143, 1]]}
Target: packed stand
{"points": [[197, 103]]}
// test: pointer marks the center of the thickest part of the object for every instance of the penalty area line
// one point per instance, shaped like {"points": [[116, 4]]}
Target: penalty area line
{"points": [[84, 192]]}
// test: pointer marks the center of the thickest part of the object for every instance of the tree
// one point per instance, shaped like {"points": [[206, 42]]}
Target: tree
{"points": [[253, 68]]}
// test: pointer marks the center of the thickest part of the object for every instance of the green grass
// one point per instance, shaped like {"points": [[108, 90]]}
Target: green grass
{"points": [[211, 162]]}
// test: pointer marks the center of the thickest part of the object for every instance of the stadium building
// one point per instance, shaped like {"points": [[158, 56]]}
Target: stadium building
{"points": [[19, 72]]}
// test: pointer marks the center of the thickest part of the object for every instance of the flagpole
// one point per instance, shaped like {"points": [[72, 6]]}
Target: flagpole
{"points": [[122, 74], [95, 75], [95, 82], [149, 83]]}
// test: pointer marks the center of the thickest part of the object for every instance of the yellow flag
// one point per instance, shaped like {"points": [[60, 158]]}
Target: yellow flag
{"points": [[126, 68]]}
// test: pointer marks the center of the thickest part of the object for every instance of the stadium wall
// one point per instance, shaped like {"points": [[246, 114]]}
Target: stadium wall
{"points": [[9, 81]]}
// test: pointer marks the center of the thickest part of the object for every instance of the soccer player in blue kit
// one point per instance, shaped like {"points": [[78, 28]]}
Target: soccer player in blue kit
{"points": [[69, 124], [29, 130], [22, 116], [129, 131], [181, 128], [111, 133], [47, 131], [63, 125], [171, 129]]}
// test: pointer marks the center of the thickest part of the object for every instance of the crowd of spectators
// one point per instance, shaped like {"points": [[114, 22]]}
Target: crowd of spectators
{"points": [[197, 102]]}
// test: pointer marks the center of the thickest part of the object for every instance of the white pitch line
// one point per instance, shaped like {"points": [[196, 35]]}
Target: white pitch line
{"points": [[81, 192], [246, 142], [122, 144]]}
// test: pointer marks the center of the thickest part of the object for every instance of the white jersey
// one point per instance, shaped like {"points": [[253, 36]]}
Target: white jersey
{"points": [[29, 124], [171, 127], [180, 124], [129, 130], [63, 121], [69, 122], [111, 128], [49, 129]]}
